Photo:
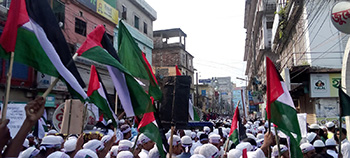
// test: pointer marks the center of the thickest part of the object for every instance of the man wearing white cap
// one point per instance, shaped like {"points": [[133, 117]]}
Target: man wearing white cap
{"points": [[331, 129], [124, 145], [84, 153], [49, 145], [146, 144], [209, 151], [308, 150], [59, 154], [186, 143], [331, 148], [126, 130], [345, 145], [176, 146], [125, 154]]}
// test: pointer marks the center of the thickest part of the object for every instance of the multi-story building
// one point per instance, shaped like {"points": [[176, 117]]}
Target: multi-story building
{"points": [[169, 51], [224, 87], [305, 47]]}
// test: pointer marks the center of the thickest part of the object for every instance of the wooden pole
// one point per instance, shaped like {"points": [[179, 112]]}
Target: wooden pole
{"points": [[53, 84], [171, 141], [278, 143], [8, 86], [116, 110], [340, 132], [269, 149]]}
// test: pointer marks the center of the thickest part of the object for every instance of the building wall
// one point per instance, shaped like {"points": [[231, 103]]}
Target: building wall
{"points": [[132, 10], [92, 19]]}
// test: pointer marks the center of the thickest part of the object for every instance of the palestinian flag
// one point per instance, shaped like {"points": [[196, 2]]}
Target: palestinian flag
{"points": [[178, 72], [344, 100], [33, 34], [280, 108], [131, 57], [149, 127], [133, 98], [237, 132], [97, 95]]}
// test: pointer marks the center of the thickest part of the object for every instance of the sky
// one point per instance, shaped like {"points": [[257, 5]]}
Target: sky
{"points": [[215, 33]]}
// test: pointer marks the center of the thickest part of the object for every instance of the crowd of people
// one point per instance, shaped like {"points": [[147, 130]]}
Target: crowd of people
{"points": [[203, 142]]}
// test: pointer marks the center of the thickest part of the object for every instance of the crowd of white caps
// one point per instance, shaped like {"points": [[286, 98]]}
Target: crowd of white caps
{"points": [[204, 143]]}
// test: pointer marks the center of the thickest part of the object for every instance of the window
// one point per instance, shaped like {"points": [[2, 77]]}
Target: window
{"points": [[145, 27], [80, 27], [136, 22], [269, 25], [124, 11]]}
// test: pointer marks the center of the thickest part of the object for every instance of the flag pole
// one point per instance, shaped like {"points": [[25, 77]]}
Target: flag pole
{"points": [[340, 132], [116, 110], [278, 143], [269, 149], [53, 84], [8, 86]]}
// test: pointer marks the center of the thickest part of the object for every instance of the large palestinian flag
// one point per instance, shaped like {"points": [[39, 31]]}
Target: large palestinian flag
{"points": [[98, 95], [280, 108], [33, 34], [132, 58], [98, 47], [237, 132]]}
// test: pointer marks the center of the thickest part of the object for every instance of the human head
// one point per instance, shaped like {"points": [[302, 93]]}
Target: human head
{"points": [[186, 143], [209, 151], [330, 126], [126, 130], [83, 153], [203, 138], [94, 145], [177, 147], [343, 134], [215, 139], [49, 145], [319, 146], [308, 150], [145, 142]]}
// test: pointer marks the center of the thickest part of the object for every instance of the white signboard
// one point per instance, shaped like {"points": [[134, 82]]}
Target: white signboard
{"points": [[340, 16], [44, 81], [16, 114], [324, 85]]}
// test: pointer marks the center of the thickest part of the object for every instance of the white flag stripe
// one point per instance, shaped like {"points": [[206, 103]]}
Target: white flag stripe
{"points": [[285, 98]]}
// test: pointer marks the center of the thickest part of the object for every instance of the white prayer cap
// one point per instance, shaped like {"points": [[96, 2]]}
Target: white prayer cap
{"points": [[247, 126], [306, 147], [114, 150], [331, 142], [206, 129], [318, 143], [124, 145], [314, 126], [215, 131], [51, 140], [125, 154], [109, 121], [261, 129], [249, 135], [209, 151], [125, 128], [197, 156], [186, 141], [234, 153], [59, 154], [52, 131], [30, 152], [244, 145], [193, 135], [26, 143], [94, 145], [250, 123], [121, 121], [154, 152], [311, 136], [187, 133], [60, 138], [259, 136], [283, 149], [143, 139], [176, 140], [330, 124], [106, 138], [70, 145], [214, 138], [83, 153], [323, 127]]}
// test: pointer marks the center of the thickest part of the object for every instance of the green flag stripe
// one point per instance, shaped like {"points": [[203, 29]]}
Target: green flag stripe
{"points": [[102, 104], [27, 42], [234, 137]]}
